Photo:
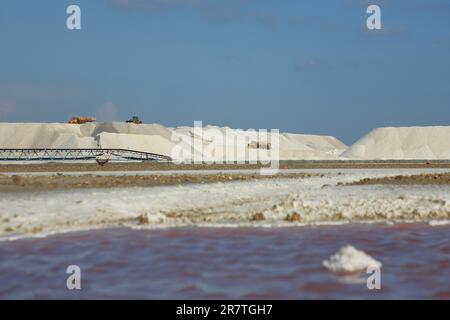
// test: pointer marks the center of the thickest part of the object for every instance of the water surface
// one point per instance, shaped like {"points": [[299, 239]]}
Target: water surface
{"points": [[222, 263]]}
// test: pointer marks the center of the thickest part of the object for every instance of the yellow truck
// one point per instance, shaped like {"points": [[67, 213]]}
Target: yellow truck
{"points": [[81, 120]]}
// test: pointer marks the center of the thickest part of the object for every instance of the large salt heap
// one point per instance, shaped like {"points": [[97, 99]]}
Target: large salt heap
{"points": [[403, 143], [180, 143], [209, 143], [221, 144]]}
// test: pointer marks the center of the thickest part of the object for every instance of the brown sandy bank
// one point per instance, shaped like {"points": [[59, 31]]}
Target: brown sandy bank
{"points": [[16, 183], [436, 178]]}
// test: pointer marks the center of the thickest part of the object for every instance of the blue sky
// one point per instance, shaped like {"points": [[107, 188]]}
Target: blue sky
{"points": [[305, 66]]}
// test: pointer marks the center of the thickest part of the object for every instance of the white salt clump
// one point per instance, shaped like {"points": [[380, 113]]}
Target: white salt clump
{"points": [[349, 259], [436, 223]]}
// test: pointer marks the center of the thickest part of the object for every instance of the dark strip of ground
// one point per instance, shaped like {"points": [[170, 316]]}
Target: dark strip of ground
{"points": [[422, 179], [148, 166], [16, 183]]}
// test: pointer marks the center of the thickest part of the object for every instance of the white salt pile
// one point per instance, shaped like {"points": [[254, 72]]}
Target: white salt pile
{"points": [[291, 146], [349, 260], [210, 145], [180, 143], [404, 143], [44, 135]]}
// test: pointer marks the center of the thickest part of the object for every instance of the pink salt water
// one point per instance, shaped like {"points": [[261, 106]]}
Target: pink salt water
{"points": [[222, 263]]}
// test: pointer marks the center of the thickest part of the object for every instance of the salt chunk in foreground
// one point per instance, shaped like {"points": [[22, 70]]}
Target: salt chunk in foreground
{"points": [[349, 259]]}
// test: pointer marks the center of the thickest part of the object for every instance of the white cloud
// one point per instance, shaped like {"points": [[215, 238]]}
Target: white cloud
{"points": [[311, 64]]}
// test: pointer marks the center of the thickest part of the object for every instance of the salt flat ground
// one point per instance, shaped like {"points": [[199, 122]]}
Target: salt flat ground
{"points": [[323, 198]]}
